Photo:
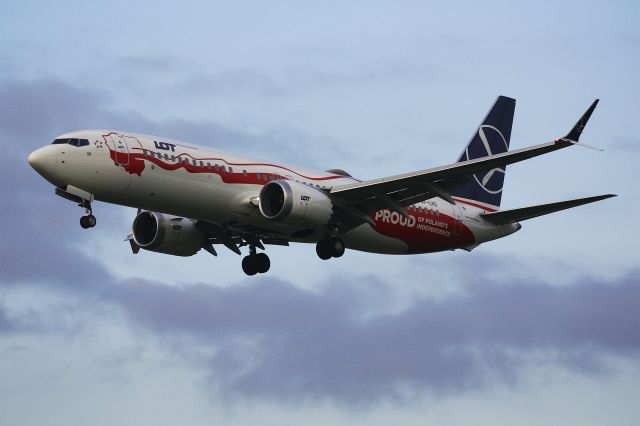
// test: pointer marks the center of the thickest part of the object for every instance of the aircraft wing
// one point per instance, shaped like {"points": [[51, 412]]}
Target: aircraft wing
{"points": [[397, 192], [516, 215]]}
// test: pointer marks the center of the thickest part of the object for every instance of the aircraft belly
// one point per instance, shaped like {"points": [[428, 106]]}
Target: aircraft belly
{"points": [[180, 193], [365, 238]]}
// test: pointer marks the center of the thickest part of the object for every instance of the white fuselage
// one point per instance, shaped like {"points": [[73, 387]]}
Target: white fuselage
{"points": [[204, 184]]}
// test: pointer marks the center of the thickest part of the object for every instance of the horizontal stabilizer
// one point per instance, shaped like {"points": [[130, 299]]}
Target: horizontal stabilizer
{"points": [[517, 215]]}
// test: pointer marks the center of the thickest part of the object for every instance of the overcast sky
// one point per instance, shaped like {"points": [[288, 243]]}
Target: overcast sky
{"points": [[542, 327]]}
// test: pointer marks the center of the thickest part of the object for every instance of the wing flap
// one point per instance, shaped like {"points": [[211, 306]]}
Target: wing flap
{"points": [[524, 213]]}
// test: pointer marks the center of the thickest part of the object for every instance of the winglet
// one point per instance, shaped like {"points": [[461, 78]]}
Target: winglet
{"points": [[574, 134]]}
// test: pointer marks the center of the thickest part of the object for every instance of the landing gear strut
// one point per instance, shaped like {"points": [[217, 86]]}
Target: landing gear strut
{"points": [[88, 221], [255, 263], [331, 247]]}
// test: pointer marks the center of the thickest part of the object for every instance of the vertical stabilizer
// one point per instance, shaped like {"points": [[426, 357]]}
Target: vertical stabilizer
{"points": [[492, 137]]}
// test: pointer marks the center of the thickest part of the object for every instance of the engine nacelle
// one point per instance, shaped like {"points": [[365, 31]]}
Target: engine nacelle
{"points": [[167, 234], [296, 204]]}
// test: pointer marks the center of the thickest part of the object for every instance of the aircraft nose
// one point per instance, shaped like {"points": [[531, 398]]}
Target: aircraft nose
{"points": [[43, 161]]}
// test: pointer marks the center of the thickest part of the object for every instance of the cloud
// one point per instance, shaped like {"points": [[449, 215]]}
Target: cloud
{"points": [[6, 325], [276, 341], [36, 111]]}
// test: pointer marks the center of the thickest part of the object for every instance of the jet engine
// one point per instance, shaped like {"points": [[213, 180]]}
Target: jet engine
{"points": [[167, 234], [295, 203]]}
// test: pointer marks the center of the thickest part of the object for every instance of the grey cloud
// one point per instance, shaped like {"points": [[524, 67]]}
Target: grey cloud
{"points": [[629, 144], [36, 111], [33, 246], [317, 345], [6, 325], [248, 82], [149, 63]]}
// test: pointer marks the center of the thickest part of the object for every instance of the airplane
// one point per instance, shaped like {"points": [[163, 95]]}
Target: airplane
{"points": [[191, 198]]}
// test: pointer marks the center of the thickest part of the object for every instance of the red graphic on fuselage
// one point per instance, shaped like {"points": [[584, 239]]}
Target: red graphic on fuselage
{"points": [[424, 230], [119, 152], [133, 161]]}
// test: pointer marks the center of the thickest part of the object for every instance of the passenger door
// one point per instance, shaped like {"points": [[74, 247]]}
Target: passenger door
{"points": [[121, 149]]}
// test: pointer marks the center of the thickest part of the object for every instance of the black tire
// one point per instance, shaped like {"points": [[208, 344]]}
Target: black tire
{"points": [[263, 263], [249, 265], [91, 221], [336, 247], [84, 222], [322, 249]]}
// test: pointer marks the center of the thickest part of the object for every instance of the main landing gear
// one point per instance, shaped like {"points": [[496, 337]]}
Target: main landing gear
{"points": [[331, 247], [88, 221], [255, 263]]}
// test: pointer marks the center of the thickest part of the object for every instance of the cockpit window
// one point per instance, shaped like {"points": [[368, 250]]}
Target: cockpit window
{"points": [[72, 141]]}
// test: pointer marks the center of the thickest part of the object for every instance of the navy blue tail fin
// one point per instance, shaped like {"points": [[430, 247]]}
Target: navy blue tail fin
{"points": [[492, 137]]}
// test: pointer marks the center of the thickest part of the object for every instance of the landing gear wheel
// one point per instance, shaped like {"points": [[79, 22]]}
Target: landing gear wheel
{"points": [[88, 221], [333, 247], [336, 247], [263, 263], [322, 249], [250, 265], [84, 222], [256, 264]]}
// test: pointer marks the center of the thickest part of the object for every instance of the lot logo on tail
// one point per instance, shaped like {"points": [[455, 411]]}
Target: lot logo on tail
{"points": [[484, 179]]}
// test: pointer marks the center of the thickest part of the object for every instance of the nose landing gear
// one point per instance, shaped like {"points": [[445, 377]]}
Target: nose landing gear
{"points": [[88, 221], [83, 199]]}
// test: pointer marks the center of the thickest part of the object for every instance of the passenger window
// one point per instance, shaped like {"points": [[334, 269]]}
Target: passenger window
{"points": [[201, 164], [230, 169], [244, 173], [222, 168]]}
